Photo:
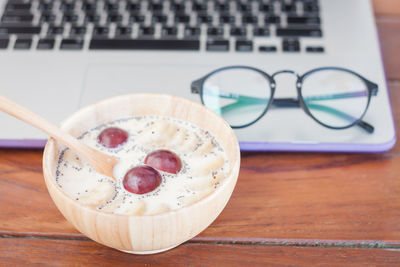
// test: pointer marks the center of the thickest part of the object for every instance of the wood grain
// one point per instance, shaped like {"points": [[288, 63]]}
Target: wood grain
{"points": [[386, 7], [28, 252], [309, 196], [389, 35]]}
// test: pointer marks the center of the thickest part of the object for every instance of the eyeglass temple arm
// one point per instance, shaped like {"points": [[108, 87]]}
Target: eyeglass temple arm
{"points": [[291, 102], [366, 126]]}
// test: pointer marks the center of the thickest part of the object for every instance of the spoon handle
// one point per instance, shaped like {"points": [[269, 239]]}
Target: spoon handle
{"points": [[99, 161]]}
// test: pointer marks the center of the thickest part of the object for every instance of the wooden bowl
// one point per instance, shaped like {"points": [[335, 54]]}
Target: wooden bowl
{"points": [[149, 233]]}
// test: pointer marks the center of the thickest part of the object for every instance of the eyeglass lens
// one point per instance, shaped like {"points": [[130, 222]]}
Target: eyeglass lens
{"points": [[335, 98], [239, 95]]}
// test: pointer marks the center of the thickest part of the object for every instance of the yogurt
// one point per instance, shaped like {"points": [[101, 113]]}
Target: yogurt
{"points": [[204, 167]]}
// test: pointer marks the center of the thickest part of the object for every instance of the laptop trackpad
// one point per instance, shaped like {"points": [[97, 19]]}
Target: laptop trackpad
{"points": [[107, 80]]}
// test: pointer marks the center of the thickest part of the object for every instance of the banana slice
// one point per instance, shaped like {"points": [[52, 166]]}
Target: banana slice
{"points": [[99, 195], [205, 165], [205, 182], [167, 135], [204, 148], [158, 134], [137, 207], [152, 132], [114, 204], [177, 139], [190, 142], [187, 200]]}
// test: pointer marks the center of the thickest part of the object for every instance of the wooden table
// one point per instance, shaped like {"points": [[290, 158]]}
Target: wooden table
{"points": [[287, 208]]}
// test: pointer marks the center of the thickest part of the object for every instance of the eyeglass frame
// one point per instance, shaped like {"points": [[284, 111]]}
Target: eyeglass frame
{"points": [[197, 88]]}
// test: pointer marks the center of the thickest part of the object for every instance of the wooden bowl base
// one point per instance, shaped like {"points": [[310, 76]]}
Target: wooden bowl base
{"points": [[148, 251]]}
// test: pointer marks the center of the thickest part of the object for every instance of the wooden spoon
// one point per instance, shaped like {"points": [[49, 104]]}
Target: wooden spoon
{"points": [[100, 162]]}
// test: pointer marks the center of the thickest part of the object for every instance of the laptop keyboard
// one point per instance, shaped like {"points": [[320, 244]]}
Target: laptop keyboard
{"points": [[190, 25]]}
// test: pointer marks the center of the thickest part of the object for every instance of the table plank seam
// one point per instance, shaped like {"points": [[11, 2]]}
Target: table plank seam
{"points": [[387, 18], [277, 242]]}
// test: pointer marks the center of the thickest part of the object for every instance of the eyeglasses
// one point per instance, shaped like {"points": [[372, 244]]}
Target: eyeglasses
{"points": [[336, 98]]}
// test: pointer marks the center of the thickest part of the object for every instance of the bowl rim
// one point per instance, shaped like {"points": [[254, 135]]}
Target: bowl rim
{"points": [[232, 174]]}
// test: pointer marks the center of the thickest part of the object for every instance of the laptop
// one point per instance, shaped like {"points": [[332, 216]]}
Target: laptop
{"points": [[60, 55]]}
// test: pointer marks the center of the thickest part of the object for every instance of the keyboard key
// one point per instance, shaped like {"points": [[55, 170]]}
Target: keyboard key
{"points": [[69, 17], [249, 19], [238, 31], [88, 6], [100, 31], [272, 20], [291, 45], [136, 18], [244, 7], [16, 17], [315, 49], [45, 44], [46, 6], [315, 2], [265, 8], [303, 20], [18, 6], [244, 46], [182, 18], [67, 6], [311, 32], [128, 44], [47, 17], [19, 29], [169, 31], [111, 6], [291, 49], [155, 6], [222, 6], [146, 30], [178, 7], [227, 19], [260, 32], [157, 18], [92, 17], [266, 48], [289, 8], [217, 45], [191, 31], [204, 18], [4, 42], [71, 44], [114, 17], [133, 6], [123, 31], [199, 6], [78, 30], [23, 43], [215, 31], [54, 30], [310, 8]]}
